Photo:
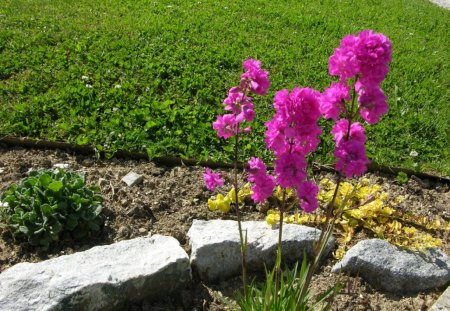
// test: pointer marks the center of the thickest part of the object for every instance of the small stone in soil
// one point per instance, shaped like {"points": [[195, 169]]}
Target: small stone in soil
{"points": [[142, 230], [62, 165], [123, 232], [87, 162], [132, 179]]}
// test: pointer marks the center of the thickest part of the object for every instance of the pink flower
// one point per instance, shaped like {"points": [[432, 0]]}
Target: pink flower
{"points": [[275, 138], [235, 100], [305, 138], [344, 62], [263, 188], [340, 130], [290, 170], [226, 126], [366, 55], [300, 106], [212, 180], [255, 78], [239, 105], [256, 168], [332, 102], [352, 160], [307, 194], [263, 183], [372, 103], [374, 52]]}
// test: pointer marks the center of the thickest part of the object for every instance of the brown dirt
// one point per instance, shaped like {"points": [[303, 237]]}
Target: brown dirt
{"points": [[166, 203]]}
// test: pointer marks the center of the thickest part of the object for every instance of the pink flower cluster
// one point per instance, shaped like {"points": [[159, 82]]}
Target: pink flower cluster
{"points": [[255, 80], [263, 184], [241, 109], [364, 58], [350, 150], [212, 180], [292, 134]]}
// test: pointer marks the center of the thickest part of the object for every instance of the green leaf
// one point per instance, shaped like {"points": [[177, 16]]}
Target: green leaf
{"points": [[23, 229], [45, 180], [55, 186]]}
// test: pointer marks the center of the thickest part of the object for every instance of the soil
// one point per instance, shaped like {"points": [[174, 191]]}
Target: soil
{"points": [[168, 200]]}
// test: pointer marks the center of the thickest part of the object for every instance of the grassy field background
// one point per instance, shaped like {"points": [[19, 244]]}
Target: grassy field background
{"points": [[159, 71]]}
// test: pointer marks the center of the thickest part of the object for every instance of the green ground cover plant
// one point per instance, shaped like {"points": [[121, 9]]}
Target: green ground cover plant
{"points": [[99, 72], [47, 203]]}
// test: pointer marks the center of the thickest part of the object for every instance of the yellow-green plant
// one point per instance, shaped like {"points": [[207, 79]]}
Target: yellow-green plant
{"points": [[363, 206]]}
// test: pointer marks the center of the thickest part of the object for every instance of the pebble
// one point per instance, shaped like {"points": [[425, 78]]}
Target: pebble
{"points": [[87, 162], [132, 179], [142, 230], [123, 232]]}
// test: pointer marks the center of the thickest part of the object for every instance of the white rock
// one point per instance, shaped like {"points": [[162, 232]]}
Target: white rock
{"points": [[101, 278], [132, 179], [393, 269], [62, 165], [443, 302], [216, 252]]}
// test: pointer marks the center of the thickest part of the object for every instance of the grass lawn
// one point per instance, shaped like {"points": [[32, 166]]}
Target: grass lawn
{"points": [[151, 75]]}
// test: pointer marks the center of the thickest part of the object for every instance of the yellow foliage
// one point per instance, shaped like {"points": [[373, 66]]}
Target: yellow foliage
{"points": [[223, 203], [365, 206], [357, 206]]}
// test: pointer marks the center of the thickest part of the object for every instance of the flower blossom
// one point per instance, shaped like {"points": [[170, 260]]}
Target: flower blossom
{"points": [[294, 125], [307, 194], [290, 169], [239, 104], [352, 159], [366, 58], [256, 78], [332, 102], [263, 183], [340, 129], [212, 180], [372, 102], [366, 55]]}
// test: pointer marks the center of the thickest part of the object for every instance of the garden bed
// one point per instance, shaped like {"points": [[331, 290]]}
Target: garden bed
{"points": [[168, 200]]}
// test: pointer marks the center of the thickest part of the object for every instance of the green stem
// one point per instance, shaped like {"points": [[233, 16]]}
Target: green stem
{"points": [[238, 215], [280, 236], [323, 239]]}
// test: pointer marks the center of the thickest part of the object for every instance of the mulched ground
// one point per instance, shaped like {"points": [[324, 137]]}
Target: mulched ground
{"points": [[169, 199]]}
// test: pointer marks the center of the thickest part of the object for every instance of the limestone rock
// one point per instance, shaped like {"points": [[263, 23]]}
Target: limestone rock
{"points": [[132, 179], [443, 302], [101, 278], [216, 252], [393, 269]]}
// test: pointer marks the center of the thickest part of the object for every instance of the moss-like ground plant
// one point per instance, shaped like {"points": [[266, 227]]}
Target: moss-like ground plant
{"points": [[47, 203]]}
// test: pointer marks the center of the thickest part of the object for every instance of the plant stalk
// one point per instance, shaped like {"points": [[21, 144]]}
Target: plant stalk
{"points": [[280, 236], [238, 215]]}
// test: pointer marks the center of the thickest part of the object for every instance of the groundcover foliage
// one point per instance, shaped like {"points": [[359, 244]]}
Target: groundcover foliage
{"points": [[150, 75], [47, 203]]}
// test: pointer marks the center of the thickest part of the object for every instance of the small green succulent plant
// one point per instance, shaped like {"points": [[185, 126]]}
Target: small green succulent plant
{"points": [[49, 202]]}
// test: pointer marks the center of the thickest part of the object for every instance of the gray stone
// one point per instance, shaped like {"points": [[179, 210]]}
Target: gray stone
{"points": [[393, 269], [132, 179], [101, 278], [62, 165], [443, 303], [215, 246]]}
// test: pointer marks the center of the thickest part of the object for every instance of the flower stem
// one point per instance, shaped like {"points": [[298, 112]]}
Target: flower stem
{"points": [[280, 236], [238, 215]]}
